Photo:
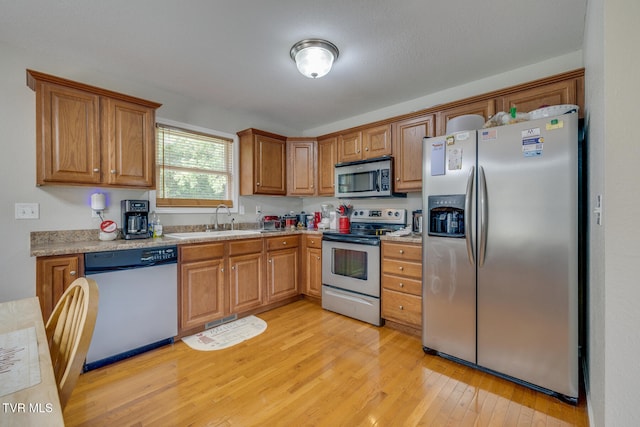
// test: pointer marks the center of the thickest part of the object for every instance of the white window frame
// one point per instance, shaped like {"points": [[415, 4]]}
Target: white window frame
{"points": [[235, 172]]}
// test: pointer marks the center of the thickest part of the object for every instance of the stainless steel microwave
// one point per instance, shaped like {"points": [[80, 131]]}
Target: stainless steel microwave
{"points": [[365, 178]]}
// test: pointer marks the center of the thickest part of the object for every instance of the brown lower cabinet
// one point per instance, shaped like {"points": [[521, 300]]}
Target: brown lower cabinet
{"points": [[53, 275], [202, 286], [312, 266], [246, 280], [402, 283], [282, 267], [239, 277]]}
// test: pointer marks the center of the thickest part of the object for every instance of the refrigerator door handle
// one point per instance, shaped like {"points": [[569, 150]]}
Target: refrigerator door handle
{"points": [[467, 210], [484, 216]]}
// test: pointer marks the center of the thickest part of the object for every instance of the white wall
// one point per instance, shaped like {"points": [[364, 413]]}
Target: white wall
{"points": [[613, 89]]}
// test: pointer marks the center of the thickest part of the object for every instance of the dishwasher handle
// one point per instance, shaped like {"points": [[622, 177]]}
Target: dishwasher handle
{"points": [[88, 270]]}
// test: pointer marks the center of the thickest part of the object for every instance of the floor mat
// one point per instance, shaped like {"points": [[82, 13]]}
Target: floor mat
{"points": [[226, 335]]}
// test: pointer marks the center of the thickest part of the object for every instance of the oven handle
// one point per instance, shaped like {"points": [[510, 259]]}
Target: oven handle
{"points": [[347, 297], [351, 239]]}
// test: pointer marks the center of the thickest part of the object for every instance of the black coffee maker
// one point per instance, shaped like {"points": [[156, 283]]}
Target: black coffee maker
{"points": [[135, 219]]}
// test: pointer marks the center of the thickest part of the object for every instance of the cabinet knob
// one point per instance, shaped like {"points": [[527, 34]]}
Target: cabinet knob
{"points": [[233, 267], [401, 307], [222, 270], [401, 268], [397, 178], [401, 251], [257, 184], [72, 273], [113, 171], [402, 285], [96, 170], [313, 241], [284, 243], [366, 149], [269, 260], [318, 258]]}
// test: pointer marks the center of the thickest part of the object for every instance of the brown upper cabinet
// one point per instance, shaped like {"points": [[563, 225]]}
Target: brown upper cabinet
{"points": [[365, 144], [301, 167], [564, 92], [485, 108], [262, 163], [91, 136], [407, 151], [327, 159]]}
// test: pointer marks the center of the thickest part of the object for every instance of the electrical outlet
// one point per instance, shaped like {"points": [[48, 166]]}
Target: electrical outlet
{"points": [[27, 211], [241, 210], [597, 210], [95, 214], [258, 209]]}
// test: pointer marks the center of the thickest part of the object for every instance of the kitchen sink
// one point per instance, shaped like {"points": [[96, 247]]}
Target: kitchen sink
{"points": [[207, 234]]}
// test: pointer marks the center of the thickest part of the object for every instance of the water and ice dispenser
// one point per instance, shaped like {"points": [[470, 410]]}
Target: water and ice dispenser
{"points": [[446, 215]]}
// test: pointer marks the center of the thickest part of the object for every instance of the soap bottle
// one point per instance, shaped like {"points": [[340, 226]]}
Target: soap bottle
{"points": [[157, 227]]}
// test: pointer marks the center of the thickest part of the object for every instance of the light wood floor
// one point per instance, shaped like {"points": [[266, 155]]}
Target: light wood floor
{"points": [[309, 368]]}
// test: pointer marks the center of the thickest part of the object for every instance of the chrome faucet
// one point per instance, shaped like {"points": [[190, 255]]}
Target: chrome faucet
{"points": [[221, 205]]}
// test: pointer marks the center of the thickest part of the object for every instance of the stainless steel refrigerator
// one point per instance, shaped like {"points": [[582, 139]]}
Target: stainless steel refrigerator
{"points": [[500, 236]]}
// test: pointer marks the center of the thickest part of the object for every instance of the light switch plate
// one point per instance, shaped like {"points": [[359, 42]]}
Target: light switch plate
{"points": [[27, 211]]}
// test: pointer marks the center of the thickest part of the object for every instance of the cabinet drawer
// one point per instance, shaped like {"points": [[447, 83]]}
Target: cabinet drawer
{"points": [[241, 247], [406, 251], [402, 268], [284, 242], [402, 284], [205, 251], [314, 241], [402, 308]]}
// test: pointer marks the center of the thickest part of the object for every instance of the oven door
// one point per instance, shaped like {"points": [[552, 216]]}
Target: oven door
{"points": [[352, 266]]}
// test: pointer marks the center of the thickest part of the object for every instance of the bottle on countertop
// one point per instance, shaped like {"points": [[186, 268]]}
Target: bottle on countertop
{"points": [[157, 227]]}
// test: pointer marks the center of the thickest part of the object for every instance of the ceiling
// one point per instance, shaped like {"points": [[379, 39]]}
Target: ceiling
{"points": [[235, 53]]}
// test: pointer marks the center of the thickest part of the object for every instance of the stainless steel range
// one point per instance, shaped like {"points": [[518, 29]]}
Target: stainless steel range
{"points": [[351, 264]]}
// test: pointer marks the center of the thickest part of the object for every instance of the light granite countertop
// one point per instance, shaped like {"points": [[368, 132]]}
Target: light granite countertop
{"points": [[47, 243]]}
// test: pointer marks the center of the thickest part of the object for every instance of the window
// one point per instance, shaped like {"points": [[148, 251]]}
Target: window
{"points": [[194, 168]]}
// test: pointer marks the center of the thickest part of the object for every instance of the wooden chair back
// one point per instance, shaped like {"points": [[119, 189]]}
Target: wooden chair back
{"points": [[69, 331]]}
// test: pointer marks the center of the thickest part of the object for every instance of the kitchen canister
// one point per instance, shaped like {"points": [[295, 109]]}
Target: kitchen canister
{"points": [[343, 224]]}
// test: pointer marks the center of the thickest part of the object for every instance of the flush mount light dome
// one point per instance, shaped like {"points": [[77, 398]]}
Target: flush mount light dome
{"points": [[314, 57]]}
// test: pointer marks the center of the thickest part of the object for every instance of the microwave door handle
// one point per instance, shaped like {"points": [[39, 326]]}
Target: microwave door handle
{"points": [[379, 180]]}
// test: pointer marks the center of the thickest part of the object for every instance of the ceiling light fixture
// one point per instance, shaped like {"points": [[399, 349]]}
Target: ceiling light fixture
{"points": [[314, 57]]}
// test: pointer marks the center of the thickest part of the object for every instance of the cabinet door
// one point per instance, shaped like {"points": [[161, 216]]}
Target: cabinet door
{"points": [[407, 150], [327, 158], [376, 141], [201, 292], [53, 275], [564, 92], [350, 147], [485, 108], [245, 282], [128, 144], [68, 133], [301, 171], [282, 274], [313, 272], [270, 166]]}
